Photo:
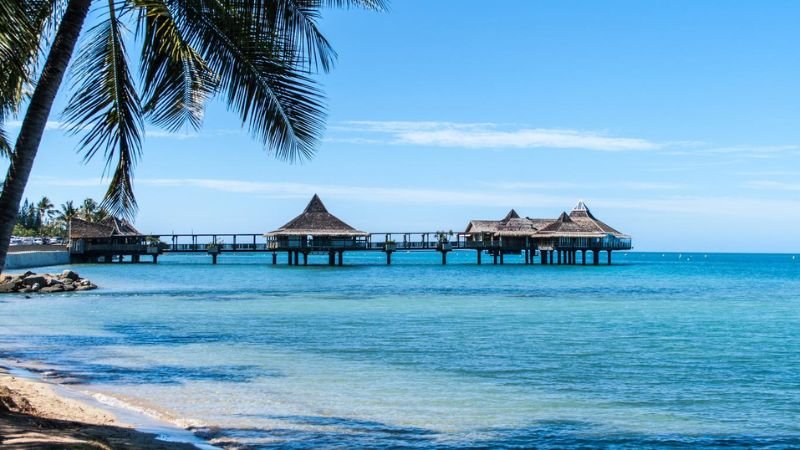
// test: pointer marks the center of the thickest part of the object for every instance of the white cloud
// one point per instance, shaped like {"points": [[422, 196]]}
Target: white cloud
{"points": [[773, 185], [487, 136], [533, 204], [51, 125]]}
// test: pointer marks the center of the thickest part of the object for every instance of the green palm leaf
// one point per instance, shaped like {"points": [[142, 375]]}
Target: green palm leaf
{"points": [[177, 81], [260, 78], [107, 110]]}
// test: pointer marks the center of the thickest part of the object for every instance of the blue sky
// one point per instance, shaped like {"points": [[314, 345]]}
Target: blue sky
{"points": [[677, 122]]}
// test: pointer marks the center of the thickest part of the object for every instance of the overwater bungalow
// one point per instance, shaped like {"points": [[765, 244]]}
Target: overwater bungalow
{"points": [[578, 231], [560, 239], [315, 230], [108, 239]]}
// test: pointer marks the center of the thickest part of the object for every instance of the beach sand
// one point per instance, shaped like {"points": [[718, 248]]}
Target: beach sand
{"points": [[33, 416]]}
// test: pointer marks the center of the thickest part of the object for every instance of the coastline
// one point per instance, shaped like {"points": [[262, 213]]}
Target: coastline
{"points": [[37, 414]]}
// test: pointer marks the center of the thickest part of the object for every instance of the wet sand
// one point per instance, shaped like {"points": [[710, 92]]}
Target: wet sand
{"points": [[34, 416]]}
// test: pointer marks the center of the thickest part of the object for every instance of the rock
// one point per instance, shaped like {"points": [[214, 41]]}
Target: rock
{"points": [[85, 287], [30, 280], [68, 274], [55, 288]]}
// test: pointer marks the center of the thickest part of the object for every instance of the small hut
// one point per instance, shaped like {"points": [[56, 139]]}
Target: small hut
{"points": [[108, 238], [580, 231], [316, 230], [482, 233]]}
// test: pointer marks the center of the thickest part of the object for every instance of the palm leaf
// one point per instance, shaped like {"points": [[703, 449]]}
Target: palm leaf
{"points": [[106, 109], [260, 77], [176, 80]]}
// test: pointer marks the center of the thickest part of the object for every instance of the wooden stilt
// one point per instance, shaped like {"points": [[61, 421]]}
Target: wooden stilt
{"points": [[341, 257], [502, 258], [609, 257], [583, 257], [289, 257], [388, 258], [296, 258], [274, 258], [495, 258], [214, 258], [543, 257], [444, 258], [305, 258], [595, 257], [155, 259], [331, 258], [479, 256], [559, 256]]}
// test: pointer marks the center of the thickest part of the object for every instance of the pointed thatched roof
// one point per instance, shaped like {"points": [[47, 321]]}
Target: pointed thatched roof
{"points": [[316, 221], [489, 226], [110, 227], [582, 215]]}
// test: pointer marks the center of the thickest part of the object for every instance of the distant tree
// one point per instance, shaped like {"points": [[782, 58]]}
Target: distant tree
{"points": [[45, 210], [67, 212]]}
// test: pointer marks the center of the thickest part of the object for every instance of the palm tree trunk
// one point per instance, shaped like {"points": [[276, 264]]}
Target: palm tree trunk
{"points": [[36, 116]]}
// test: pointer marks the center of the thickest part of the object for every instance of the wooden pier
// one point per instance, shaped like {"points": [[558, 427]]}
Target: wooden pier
{"points": [[567, 240]]}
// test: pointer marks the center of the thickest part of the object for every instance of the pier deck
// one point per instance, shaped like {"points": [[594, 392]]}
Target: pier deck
{"points": [[216, 244]]}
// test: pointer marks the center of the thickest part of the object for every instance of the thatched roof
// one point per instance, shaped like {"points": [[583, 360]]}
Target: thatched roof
{"points": [[110, 227], [316, 221], [489, 226], [582, 215]]}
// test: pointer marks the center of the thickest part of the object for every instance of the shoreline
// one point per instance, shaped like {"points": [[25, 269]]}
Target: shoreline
{"points": [[41, 414]]}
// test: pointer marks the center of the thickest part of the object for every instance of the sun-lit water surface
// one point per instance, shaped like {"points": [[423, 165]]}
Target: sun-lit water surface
{"points": [[656, 351]]}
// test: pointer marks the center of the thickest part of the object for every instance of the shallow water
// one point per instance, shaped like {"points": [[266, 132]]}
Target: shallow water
{"points": [[656, 351]]}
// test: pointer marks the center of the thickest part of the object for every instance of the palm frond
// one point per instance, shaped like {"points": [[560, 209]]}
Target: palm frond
{"points": [[106, 109], [17, 35], [375, 5], [260, 78], [176, 80]]}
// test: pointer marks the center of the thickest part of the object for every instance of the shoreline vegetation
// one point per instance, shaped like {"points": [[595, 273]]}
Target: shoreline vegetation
{"points": [[34, 415]]}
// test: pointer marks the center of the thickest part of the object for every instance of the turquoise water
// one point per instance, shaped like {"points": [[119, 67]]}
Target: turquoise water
{"points": [[657, 351]]}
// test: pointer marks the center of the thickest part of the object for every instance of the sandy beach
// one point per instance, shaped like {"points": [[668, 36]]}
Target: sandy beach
{"points": [[33, 415]]}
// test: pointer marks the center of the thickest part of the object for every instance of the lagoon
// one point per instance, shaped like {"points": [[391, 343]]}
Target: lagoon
{"points": [[658, 350]]}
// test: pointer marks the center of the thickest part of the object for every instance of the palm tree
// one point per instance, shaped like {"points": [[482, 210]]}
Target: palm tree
{"points": [[45, 209], [67, 212], [260, 55], [88, 210]]}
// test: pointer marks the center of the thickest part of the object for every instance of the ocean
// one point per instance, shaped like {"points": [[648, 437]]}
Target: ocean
{"points": [[656, 351]]}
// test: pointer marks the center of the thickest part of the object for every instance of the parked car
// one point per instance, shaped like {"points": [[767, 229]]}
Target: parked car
{"points": [[56, 240], [15, 241], [38, 241], [27, 241]]}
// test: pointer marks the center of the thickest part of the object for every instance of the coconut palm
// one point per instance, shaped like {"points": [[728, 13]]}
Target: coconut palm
{"points": [[45, 209], [259, 55], [67, 212]]}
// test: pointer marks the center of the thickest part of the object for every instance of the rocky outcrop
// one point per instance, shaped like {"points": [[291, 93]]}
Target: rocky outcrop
{"points": [[27, 282]]}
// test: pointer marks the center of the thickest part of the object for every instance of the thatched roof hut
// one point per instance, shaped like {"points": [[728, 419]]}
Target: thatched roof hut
{"points": [[107, 228], [475, 227], [316, 221], [583, 216]]}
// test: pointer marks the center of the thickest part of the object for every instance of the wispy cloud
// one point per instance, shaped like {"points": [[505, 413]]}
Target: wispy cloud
{"points": [[54, 125], [484, 136], [773, 185], [51, 125], [585, 186], [527, 202]]}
